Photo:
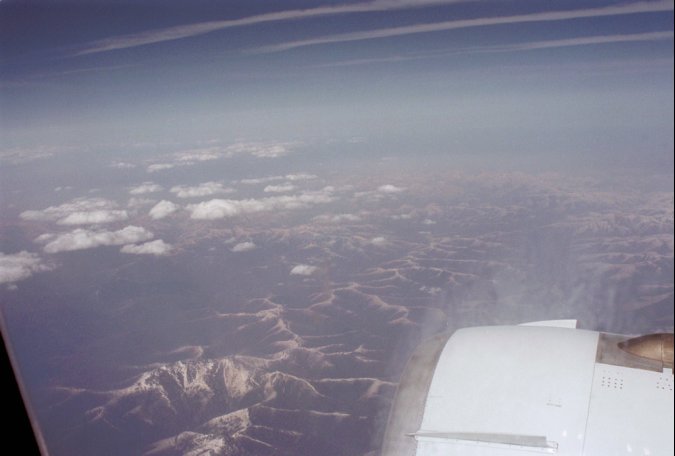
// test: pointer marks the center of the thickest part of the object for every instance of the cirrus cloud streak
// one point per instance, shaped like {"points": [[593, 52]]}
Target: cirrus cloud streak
{"points": [[548, 16], [190, 30]]}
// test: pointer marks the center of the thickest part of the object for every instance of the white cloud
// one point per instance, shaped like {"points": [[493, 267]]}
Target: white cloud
{"points": [[221, 208], [146, 187], [303, 270], [294, 177], [44, 238], [54, 213], [19, 266], [80, 211], [93, 217], [18, 155], [260, 180], [257, 149], [159, 167], [244, 247], [279, 188], [379, 241], [199, 155], [338, 218], [122, 165], [163, 209], [300, 176], [388, 188], [261, 149], [157, 247], [80, 239], [431, 290], [136, 202], [205, 189], [428, 222]]}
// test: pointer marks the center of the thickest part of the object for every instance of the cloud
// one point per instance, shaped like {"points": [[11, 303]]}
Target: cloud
{"points": [[190, 157], [262, 149], [80, 211], [290, 177], [80, 239], [388, 188], [279, 188], [527, 46], [260, 180], [402, 216], [303, 270], [122, 165], [300, 176], [54, 213], [380, 193], [190, 30], [157, 247], [388, 59], [163, 209], [221, 208], [136, 202], [244, 247], [199, 155], [336, 218], [205, 189], [581, 41], [94, 217], [549, 16], [19, 155], [146, 187], [19, 266], [159, 167], [379, 241]]}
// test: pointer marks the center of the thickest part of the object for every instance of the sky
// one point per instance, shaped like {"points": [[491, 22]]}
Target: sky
{"points": [[485, 77]]}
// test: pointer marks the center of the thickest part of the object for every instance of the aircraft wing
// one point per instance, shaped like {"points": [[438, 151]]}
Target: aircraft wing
{"points": [[539, 388]]}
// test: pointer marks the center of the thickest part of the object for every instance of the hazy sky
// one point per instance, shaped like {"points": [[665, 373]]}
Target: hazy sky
{"points": [[424, 75]]}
